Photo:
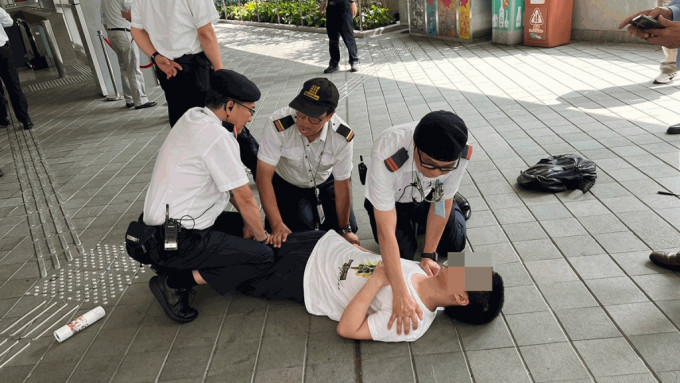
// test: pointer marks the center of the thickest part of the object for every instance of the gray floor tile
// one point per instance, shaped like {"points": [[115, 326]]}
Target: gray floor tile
{"points": [[659, 286], [524, 231], [550, 362], [182, 363], [447, 367], [535, 328], [491, 336], [610, 357], [549, 271], [140, 367], [587, 323], [612, 291], [388, 370], [658, 350], [537, 249], [502, 364], [578, 245], [640, 318], [595, 266], [339, 371]]}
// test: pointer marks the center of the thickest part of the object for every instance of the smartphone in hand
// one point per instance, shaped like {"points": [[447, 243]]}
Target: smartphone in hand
{"points": [[646, 22]]}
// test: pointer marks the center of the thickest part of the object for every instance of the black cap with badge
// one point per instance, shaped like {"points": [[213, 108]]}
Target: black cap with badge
{"points": [[318, 95], [441, 135]]}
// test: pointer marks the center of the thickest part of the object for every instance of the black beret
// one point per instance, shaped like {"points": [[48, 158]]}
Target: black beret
{"points": [[229, 84], [441, 135]]}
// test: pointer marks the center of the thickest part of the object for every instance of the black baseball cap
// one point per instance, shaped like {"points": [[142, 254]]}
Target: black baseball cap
{"points": [[317, 96]]}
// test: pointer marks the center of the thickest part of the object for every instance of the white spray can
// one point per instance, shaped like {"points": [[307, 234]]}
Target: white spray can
{"points": [[65, 332]]}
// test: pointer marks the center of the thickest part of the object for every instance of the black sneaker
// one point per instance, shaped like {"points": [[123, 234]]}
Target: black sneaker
{"points": [[175, 302], [464, 205], [354, 67], [331, 69]]}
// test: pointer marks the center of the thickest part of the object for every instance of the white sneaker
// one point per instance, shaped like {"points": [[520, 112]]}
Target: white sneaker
{"points": [[665, 78]]}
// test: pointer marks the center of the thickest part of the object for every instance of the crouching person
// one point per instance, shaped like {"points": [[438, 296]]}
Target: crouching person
{"points": [[348, 284], [197, 169]]}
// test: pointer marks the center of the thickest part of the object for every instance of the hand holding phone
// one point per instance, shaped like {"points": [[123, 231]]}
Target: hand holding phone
{"points": [[645, 22]]}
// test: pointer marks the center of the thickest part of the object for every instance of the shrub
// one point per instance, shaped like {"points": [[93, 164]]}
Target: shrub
{"points": [[288, 12]]}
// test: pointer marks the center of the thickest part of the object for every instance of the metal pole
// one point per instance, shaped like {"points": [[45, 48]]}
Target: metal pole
{"points": [[361, 19], [109, 66], [52, 43], [302, 21]]}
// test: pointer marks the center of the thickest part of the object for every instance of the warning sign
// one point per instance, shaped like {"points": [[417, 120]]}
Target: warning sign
{"points": [[536, 21]]}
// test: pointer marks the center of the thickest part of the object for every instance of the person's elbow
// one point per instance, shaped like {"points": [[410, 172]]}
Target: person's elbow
{"points": [[345, 331]]}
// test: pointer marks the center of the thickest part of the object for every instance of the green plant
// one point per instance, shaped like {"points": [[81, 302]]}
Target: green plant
{"points": [[303, 12]]}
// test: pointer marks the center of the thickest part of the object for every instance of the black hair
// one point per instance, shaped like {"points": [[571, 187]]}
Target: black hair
{"points": [[216, 100], [483, 306]]}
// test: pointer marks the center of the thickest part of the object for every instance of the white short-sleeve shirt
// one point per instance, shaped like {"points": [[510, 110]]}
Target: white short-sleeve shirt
{"points": [[335, 273], [300, 162], [173, 25], [385, 187], [196, 167]]}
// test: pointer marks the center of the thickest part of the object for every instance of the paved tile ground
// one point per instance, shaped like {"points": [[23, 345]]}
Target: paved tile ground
{"points": [[583, 303]]}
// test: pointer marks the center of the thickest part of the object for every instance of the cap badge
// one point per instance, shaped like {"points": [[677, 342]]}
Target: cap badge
{"points": [[312, 92]]}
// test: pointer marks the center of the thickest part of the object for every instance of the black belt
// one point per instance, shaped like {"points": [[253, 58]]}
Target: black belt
{"points": [[118, 29]]}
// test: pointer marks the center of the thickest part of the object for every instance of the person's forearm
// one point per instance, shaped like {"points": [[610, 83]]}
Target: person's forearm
{"points": [[268, 197], [247, 206], [389, 250], [355, 314], [143, 41], [435, 226], [343, 201], [208, 39]]}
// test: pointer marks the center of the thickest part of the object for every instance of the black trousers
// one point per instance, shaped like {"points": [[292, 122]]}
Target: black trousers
{"points": [[220, 254], [285, 279], [189, 87], [10, 78], [339, 24], [298, 206], [412, 221]]}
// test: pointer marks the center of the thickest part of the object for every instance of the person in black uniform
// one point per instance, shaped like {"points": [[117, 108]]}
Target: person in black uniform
{"points": [[339, 15], [11, 79]]}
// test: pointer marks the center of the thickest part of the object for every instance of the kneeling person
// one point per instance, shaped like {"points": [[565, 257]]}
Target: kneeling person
{"points": [[197, 169], [348, 284], [305, 164]]}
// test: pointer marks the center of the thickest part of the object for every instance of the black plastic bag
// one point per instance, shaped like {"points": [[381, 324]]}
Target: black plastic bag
{"points": [[560, 173]]}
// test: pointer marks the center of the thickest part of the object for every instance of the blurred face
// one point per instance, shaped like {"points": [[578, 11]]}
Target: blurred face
{"points": [[452, 280], [310, 127], [432, 168], [240, 113]]}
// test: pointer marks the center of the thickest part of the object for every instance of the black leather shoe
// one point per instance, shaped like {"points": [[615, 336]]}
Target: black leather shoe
{"points": [[673, 129], [175, 302], [129, 105], [665, 259], [331, 69], [1, 173], [147, 105], [464, 205], [354, 67], [28, 125]]}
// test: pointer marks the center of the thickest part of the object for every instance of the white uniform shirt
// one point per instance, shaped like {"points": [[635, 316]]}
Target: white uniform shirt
{"points": [[173, 25], [110, 10], [196, 166], [6, 22], [384, 188], [287, 150], [335, 273]]}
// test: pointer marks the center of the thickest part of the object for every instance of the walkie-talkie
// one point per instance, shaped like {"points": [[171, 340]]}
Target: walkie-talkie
{"points": [[362, 170], [171, 227]]}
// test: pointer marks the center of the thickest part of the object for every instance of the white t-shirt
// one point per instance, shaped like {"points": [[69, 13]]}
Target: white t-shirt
{"points": [[384, 187], [173, 25], [111, 16], [286, 149], [196, 166], [335, 273]]}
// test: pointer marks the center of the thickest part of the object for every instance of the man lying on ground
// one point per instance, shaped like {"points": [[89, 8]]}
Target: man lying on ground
{"points": [[348, 284]]}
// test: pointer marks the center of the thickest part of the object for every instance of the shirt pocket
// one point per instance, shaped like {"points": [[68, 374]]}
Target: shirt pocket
{"points": [[294, 157]]}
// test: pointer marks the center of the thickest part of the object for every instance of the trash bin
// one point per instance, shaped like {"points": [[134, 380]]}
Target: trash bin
{"points": [[547, 23], [506, 23]]}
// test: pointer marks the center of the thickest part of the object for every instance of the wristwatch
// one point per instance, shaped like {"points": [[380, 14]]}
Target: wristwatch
{"points": [[346, 229], [153, 56], [433, 256]]}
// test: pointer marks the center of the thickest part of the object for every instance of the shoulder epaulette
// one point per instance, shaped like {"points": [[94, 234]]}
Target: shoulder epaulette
{"points": [[284, 123], [394, 163], [346, 132], [467, 152]]}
